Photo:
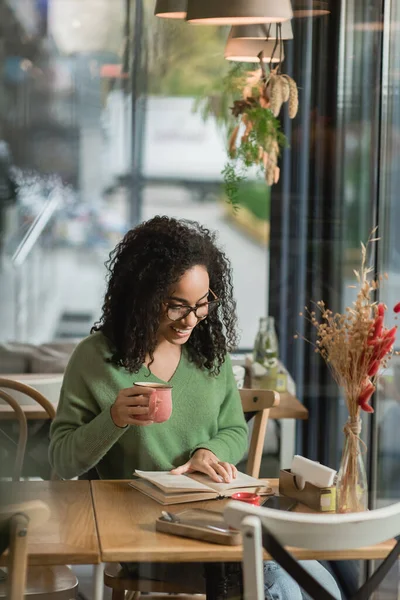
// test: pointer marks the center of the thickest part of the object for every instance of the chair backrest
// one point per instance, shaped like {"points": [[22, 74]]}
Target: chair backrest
{"points": [[317, 531], [258, 402], [23, 434], [274, 530], [15, 523], [23, 388]]}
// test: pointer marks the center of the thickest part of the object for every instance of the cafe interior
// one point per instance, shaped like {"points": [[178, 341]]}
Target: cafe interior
{"points": [[272, 123]]}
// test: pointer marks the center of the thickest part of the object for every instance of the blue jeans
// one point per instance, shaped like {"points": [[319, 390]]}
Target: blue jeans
{"points": [[278, 585]]}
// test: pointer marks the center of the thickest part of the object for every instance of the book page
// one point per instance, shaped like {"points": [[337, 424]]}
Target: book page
{"points": [[175, 483], [149, 489], [242, 481]]}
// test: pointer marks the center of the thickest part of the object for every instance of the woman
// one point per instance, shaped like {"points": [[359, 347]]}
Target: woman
{"points": [[168, 316]]}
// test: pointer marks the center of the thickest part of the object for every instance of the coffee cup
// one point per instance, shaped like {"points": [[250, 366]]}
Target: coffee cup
{"points": [[160, 402]]}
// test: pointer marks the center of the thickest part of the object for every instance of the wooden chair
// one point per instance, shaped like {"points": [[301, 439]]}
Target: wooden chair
{"points": [[256, 405], [23, 434], [23, 388], [15, 524], [42, 583]]}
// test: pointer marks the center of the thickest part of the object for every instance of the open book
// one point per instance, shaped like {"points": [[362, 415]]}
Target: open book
{"points": [[194, 487]]}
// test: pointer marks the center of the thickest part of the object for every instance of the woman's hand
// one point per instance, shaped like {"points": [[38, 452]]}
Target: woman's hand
{"points": [[204, 461], [132, 407]]}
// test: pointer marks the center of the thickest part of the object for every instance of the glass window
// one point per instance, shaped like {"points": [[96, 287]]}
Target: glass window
{"points": [[388, 400], [358, 148], [62, 204], [99, 111], [184, 155]]}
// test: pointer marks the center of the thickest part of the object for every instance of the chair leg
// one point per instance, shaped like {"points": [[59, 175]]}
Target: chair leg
{"points": [[118, 595], [18, 558]]}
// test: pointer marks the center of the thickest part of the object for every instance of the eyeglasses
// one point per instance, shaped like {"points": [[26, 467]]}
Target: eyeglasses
{"points": [[176, 312]]}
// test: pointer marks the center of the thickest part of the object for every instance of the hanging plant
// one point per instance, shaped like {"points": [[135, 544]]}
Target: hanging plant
{"points": [[257, 139], [247, 107]]}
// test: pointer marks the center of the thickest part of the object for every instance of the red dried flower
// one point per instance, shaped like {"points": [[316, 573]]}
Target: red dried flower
{"points": [[374, 368], [365, 395], [397, 308], [381, 309], [377, 330]]}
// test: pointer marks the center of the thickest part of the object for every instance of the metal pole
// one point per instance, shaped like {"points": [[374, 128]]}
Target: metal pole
{"points": [[138, 114]]}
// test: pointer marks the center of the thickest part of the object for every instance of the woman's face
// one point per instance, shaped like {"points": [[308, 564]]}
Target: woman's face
{"points": [[192, 289]]}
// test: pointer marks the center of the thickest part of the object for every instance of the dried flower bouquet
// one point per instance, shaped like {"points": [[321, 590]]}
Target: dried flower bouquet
{"points": [[356, 346]]}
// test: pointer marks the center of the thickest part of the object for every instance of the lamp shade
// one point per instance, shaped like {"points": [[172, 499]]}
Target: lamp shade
{"points": [[264, 31], [238, 12], [171, 9], [245, 50], [310, 8]]}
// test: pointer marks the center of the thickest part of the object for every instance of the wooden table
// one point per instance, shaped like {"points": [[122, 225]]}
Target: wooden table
{"points": [[126, 528], [69, 537], [33, 412], [289, 408]]}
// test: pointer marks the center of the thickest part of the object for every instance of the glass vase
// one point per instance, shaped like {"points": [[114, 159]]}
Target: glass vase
{"points": [[351, 484]]}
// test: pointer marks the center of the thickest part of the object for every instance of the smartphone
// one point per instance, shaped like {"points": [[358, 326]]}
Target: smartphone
{"points": [[279, 503]]}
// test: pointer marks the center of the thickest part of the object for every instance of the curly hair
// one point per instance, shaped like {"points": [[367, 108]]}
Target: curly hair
{"points": [[150, 258]]}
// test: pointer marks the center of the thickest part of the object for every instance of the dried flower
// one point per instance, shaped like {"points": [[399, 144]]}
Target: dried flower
{"points": [[356, 345]]}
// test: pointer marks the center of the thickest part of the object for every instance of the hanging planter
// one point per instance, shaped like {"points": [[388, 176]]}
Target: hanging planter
{"points": [[248, 106], [257, 140]]}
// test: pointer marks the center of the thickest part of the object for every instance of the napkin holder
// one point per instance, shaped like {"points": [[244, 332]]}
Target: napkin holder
{"points": [[281, 381], [316, 498]]}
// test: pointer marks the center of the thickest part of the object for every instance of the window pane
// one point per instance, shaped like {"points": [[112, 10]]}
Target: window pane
{"points": [[185, 154], [388, 413], [62, 205]]}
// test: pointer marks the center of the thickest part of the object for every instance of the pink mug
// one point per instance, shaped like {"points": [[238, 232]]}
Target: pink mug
{"points": [[160, 402]]}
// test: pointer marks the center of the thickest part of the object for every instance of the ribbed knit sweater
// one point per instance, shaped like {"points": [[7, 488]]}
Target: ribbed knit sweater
{"points": [[207, 413]]}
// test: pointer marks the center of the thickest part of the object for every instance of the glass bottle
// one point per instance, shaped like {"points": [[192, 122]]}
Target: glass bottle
{"points": [[352, 484], [266, 351], [259, 344]]}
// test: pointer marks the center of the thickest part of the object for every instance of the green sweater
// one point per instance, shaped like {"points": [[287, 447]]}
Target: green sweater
{"points": [[207, 413]]}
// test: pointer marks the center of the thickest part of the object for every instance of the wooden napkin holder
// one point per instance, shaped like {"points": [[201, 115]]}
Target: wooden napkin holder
{"points": [[319, 499]]}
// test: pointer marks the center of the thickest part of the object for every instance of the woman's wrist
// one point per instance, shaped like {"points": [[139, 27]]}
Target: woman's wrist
{"points": [[114, 421], [199, 451]]}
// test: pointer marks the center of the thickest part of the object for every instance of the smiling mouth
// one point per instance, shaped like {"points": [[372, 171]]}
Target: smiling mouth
{"points": [[182, 331]]}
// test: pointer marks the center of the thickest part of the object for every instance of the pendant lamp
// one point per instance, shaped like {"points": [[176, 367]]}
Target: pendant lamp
{"points": [[310, 8], [246, 50], [238, 12], [266, 31], [171, 9]]}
